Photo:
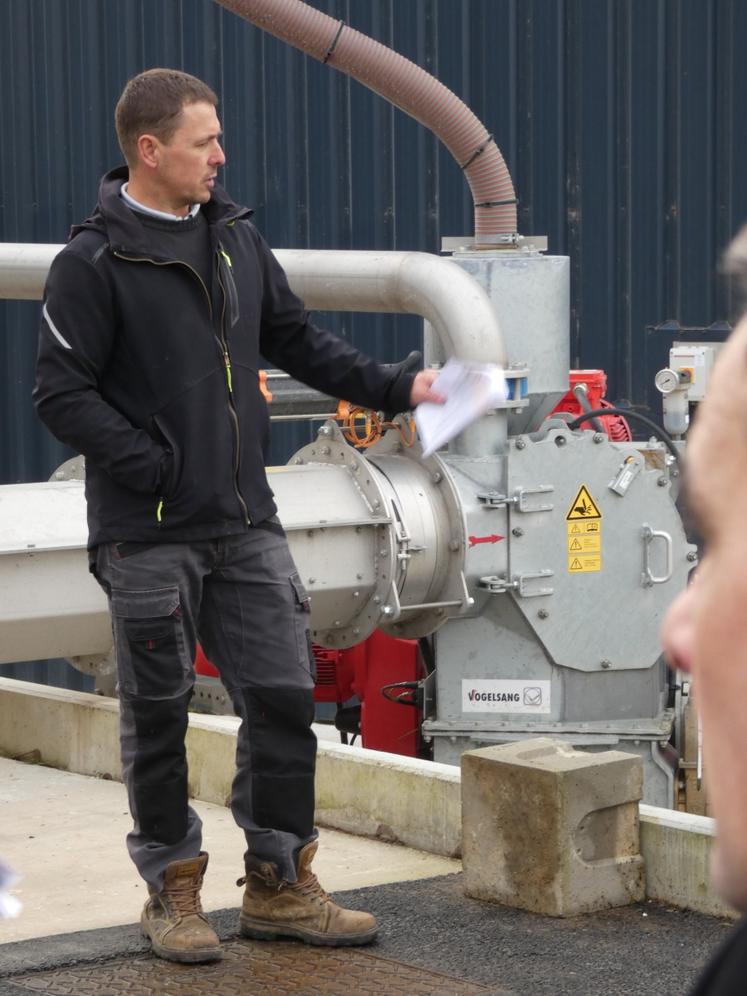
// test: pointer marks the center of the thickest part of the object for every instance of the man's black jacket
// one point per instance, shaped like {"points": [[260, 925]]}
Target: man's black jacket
{"points": [[156, 381], [726, 973]]}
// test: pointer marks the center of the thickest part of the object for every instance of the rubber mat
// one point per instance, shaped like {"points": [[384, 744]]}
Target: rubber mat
{"points": [[249, 968], [432, 939]]}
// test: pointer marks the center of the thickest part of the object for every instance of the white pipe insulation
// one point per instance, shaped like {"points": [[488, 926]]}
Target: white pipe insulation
{"points": [[338, 280]]}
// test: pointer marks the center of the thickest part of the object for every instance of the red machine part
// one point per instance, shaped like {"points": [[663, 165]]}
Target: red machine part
{"points": [[388, 725], [362, 672], [337, 672], [595, 382], [203, 665]]}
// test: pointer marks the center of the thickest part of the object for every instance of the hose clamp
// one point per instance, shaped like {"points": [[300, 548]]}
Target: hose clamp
{"points": [[480, 148], [333, 46]]}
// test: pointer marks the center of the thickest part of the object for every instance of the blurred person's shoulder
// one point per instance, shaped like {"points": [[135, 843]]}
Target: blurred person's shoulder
{"points": [[726, 973]]}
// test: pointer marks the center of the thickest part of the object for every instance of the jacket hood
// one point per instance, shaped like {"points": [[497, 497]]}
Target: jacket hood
{"points": [[124, 230]]}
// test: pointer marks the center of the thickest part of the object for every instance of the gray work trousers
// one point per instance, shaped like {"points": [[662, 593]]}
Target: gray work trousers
{"points": [[242, 597]]}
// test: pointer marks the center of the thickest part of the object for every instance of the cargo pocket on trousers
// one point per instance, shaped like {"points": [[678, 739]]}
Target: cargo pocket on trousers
{"points": [[151, 655], [302, 605]]}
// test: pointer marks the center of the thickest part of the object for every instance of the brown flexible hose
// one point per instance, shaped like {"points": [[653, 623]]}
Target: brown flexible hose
{"points": [[408, 87]]}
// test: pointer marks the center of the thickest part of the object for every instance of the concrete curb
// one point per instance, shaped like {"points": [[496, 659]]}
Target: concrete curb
{"points": [[677, 848], [361, 791], [398, 799]]}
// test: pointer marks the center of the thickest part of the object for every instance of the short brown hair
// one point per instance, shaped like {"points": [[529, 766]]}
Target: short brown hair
{"points": [[152, 103]]}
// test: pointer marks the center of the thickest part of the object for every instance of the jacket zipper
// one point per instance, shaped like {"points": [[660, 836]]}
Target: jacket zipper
{"points": [[223, 345], [222, 254]]}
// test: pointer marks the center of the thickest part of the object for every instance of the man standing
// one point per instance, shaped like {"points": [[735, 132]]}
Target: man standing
{"points": [[705, 632], [154, 318]]}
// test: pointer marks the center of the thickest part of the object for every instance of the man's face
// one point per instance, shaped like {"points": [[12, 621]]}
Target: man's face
{"points": [[188, 163], [705, 630]]}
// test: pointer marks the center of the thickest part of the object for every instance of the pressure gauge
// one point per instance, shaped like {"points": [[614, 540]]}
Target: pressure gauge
{"points": [[667, 380]]}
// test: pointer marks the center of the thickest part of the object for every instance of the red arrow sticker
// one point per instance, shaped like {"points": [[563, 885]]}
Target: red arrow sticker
{"points": [[474, 540]]}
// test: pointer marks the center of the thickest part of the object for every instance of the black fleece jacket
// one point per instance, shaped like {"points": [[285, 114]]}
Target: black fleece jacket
{"points": [[726, 973], [156, 381]]}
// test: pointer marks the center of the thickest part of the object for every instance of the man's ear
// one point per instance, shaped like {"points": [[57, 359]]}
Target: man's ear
{"points": [[149, 151]]}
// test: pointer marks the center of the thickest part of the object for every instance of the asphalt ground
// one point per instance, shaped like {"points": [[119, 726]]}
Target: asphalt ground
{"points": [[468, 946]]}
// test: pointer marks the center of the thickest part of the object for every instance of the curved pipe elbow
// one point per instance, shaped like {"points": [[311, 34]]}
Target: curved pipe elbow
{"points": [[413, 283]]}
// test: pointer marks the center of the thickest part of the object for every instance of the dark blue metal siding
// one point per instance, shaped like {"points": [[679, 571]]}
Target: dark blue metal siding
{"points": [[622, 122]]}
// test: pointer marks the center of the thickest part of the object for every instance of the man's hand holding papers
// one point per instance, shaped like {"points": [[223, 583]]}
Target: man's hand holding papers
{"points": [[470, 390]]}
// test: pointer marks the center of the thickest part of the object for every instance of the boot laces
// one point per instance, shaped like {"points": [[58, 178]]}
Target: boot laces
{"points": [[184, 896], [309, 888]]}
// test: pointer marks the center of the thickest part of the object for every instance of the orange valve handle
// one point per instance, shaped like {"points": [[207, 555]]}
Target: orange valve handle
{"points": [[266, 392]]}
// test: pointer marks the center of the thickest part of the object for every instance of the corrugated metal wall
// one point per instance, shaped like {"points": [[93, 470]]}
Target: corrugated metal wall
{"points": [[621, 121]]}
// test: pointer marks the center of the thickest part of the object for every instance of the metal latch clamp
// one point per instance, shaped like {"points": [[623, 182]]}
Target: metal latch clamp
{"points": [[496, 585], [494, 499]]}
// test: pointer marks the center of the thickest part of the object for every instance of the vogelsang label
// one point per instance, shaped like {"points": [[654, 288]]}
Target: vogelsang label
{"points": [[505, 695]]}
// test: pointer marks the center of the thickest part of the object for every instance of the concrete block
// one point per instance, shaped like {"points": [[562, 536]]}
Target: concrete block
{"points": [[551, 829]]}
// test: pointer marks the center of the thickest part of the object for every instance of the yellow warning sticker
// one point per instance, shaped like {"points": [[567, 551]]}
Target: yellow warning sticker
{"points": [[583, 506], [584, 563], [590, 543], [582, 528], [584, 540]]}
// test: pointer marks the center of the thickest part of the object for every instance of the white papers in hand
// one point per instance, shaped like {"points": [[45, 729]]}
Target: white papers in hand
{"points": [[470, 389]]}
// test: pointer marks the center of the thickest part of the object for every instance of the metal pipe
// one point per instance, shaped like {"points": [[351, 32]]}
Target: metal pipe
{"points": [[373, 537], [581, 394], [415, 283], [408, 87], [23, 269], [400, 282]]}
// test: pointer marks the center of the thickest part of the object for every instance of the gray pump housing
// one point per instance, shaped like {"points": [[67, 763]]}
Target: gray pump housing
{"points": [[541, 559]]}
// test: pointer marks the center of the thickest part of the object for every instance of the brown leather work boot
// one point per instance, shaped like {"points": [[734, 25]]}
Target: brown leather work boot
{"points": [[173, 918], [302, 909]]}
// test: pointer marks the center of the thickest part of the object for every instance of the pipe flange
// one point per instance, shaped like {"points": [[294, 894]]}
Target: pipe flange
{"points": [[331, 448], [97, 665], [73, 469], [447, 595]]}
